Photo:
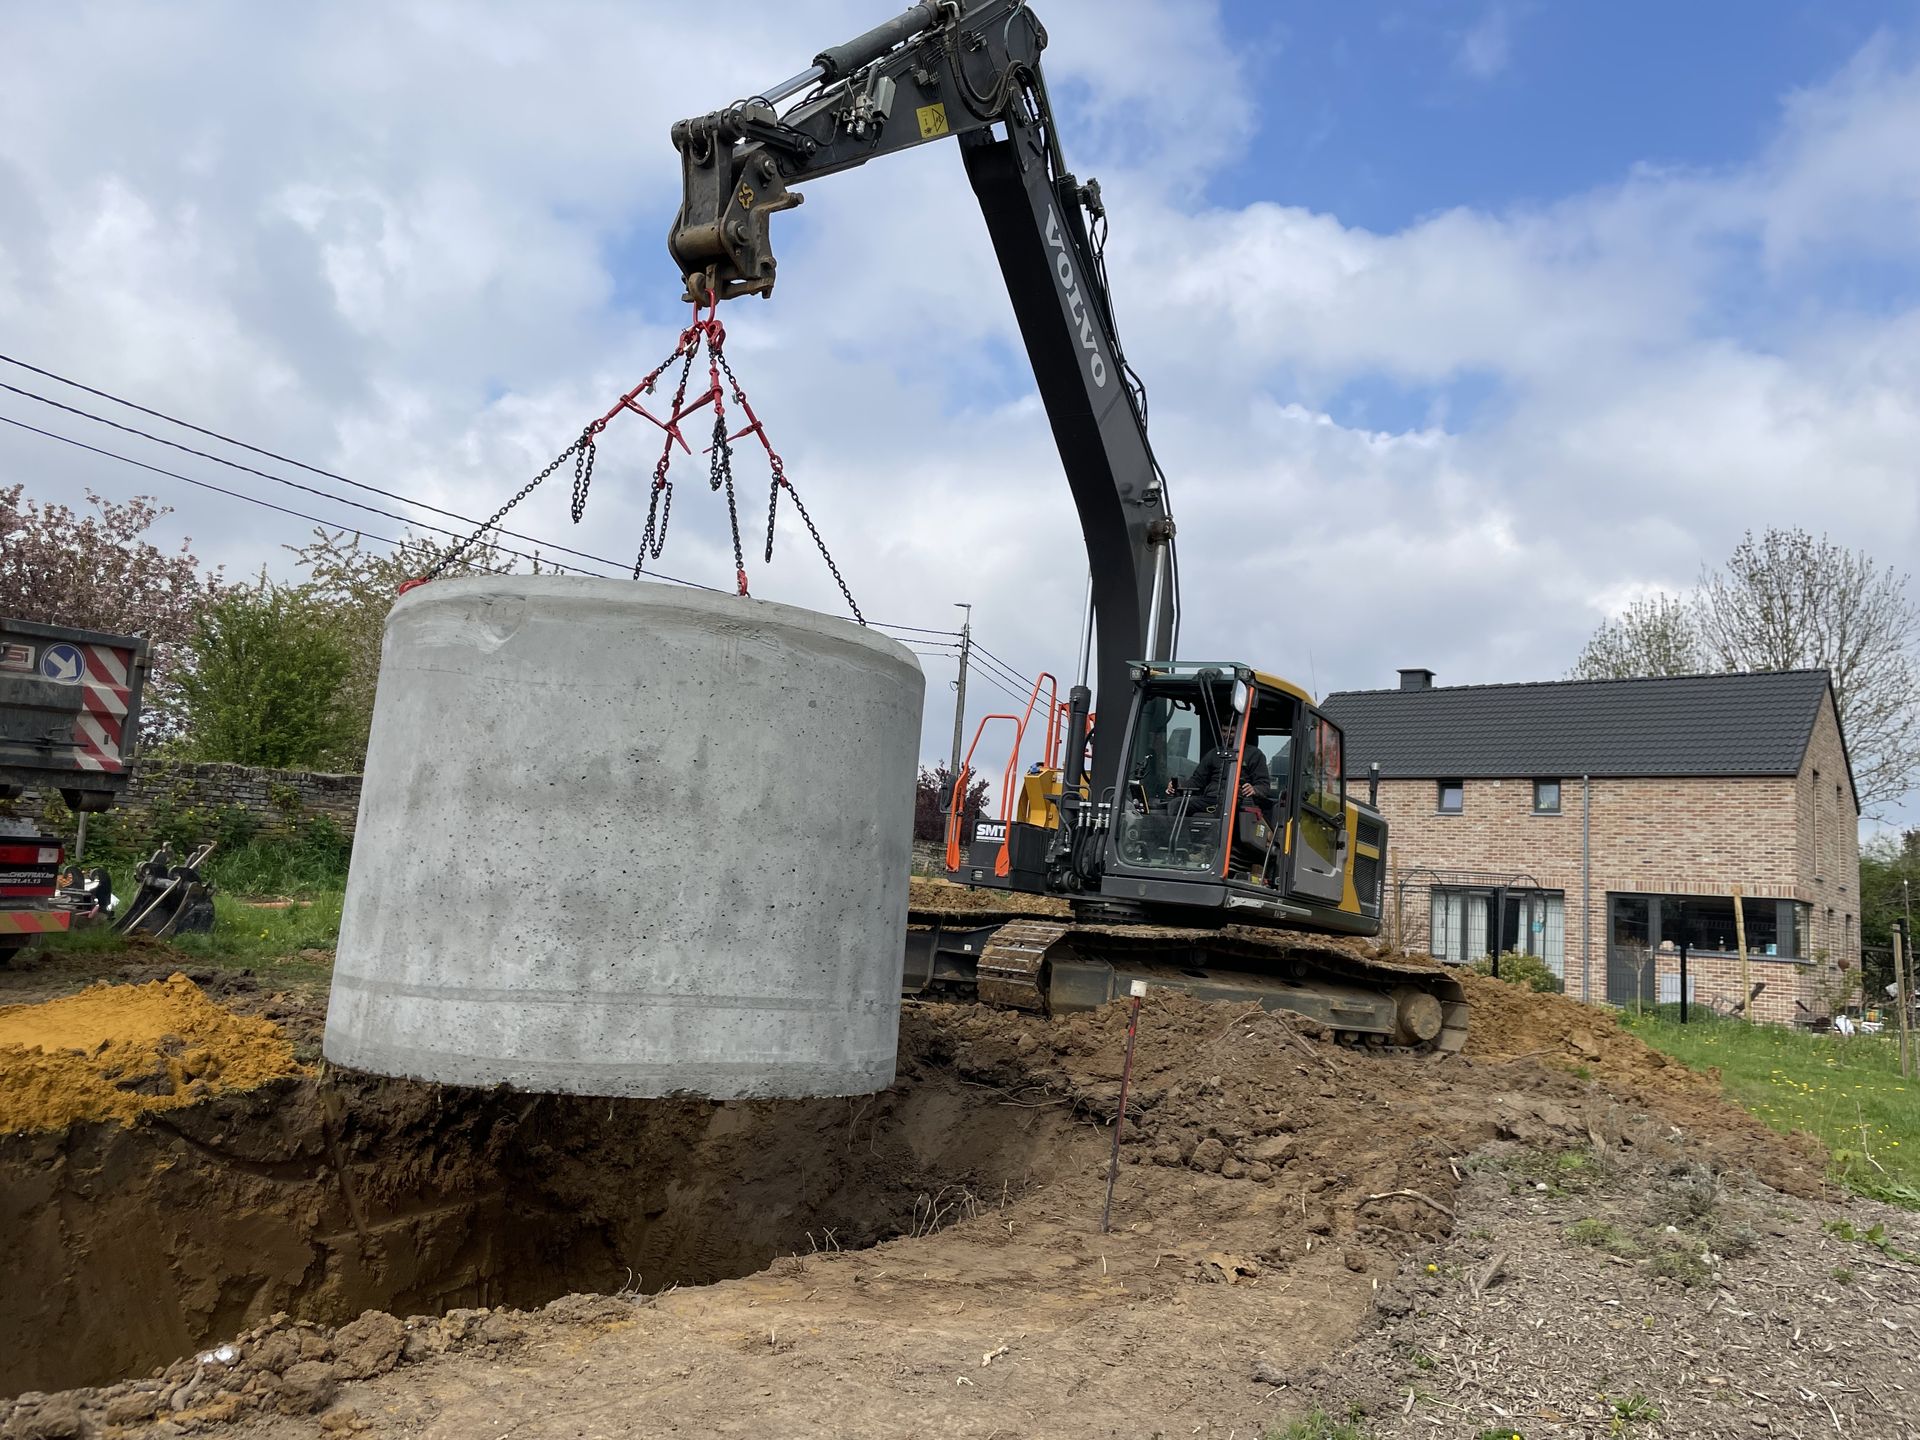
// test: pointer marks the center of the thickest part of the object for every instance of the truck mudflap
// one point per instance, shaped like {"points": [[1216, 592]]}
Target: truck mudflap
{"points": [[29, 923]]}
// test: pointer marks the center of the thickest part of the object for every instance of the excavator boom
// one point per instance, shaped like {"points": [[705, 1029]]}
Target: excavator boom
{"points": [[938, 72], [1143, 868]]}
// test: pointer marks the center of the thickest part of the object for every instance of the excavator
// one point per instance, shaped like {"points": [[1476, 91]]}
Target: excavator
{"points": [[1191, 825]]}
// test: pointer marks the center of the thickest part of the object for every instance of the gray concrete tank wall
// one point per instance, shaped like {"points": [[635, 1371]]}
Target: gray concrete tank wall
{"points": [[622, 839]]}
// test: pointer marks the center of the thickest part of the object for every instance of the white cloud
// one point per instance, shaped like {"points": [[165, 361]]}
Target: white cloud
{"points": [[422, 244], [1486, 47]]}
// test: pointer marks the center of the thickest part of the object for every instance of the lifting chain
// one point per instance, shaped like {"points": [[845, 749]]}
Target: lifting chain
{"points": [[710, 334], [453, 553]]}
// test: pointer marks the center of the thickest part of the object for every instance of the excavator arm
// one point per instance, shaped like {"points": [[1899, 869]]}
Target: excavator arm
{"points": [[971, 72]]}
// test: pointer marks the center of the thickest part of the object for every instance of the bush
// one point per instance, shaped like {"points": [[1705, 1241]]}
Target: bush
{"points": [[313, 862], [1528, 970], [262, 683]]}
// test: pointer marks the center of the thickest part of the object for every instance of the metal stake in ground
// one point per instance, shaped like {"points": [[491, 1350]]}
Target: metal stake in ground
{"points": [[1139, 990], [1902, 963]]}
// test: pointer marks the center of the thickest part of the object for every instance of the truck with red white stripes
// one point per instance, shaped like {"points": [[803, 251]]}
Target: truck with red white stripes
{"points": [[69, 718]]}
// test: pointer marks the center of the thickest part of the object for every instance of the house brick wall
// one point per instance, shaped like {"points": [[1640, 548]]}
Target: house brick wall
{"points": [[1827, 821], [1662, 836]]}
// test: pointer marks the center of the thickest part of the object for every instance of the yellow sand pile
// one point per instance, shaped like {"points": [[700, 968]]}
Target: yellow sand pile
{"points": [[115, 1051]]}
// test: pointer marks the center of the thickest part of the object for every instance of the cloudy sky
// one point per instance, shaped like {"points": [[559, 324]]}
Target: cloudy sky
{"points": [[1464, 324]]}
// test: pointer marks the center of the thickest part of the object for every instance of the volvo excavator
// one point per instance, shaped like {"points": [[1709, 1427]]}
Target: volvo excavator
{"points": [[1197, 831]]}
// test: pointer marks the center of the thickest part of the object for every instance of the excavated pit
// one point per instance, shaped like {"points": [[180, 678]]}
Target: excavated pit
{"points": [[128, 1245]]}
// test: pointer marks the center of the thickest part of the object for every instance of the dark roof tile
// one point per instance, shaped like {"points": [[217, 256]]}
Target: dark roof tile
{"points": [[1752, 723]]}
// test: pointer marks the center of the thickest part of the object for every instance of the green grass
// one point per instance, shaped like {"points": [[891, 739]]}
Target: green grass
{"points": [[1603, 1235], [1318, 1426], [290, 946], [1629, 1411], [1846, 1091], [1874, 1235], [302, 868]]}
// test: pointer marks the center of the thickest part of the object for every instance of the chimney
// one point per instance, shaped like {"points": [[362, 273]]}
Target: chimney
{"points": [[1416, 679]]}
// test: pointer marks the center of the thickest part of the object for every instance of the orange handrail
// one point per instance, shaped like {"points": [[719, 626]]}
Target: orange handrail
{"points": [[1056, 731], [1003, 864], [957, 801]]}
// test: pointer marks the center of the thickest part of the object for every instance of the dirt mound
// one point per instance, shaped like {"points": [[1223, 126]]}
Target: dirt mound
{"points": [[1511, 1021], [1511, 1024], [114, 1052]]}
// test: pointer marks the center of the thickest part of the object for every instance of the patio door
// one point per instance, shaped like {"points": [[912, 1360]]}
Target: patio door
{"points": [[1632, 922]]}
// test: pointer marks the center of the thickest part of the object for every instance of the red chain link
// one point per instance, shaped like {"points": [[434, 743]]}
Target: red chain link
{"points": [[702, 332]]}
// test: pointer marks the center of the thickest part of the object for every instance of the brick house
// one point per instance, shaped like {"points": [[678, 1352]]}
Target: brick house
{"points": [[1600, 823]]}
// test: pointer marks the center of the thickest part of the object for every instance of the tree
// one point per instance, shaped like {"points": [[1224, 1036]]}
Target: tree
{"points": [[98, 572], [1788, 601], [354, 588], [262, 683], [929, 804], [1659, 636], [1889, 880]]}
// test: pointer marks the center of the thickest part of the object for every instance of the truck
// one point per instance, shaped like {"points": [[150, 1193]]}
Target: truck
{"points": [[69, 721]]}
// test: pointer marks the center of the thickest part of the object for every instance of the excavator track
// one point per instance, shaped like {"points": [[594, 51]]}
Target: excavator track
{"points": [[1051, 964], [1012, 968]]}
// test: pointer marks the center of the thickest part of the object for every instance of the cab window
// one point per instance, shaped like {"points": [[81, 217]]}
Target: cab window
{"points": [[1324, 783]]}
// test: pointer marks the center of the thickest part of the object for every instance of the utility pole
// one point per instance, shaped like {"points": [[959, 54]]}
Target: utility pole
{"points": [[960, 706]]}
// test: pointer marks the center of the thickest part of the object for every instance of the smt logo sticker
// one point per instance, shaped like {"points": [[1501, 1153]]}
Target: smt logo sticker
{"points": [[62, 663], [16, 657]]}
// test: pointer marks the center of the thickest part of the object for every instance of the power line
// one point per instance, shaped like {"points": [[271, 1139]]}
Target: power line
{"points": [[994, 667], [1004, 688], [921, 629], [1011, 670], [203, 484], [283, 509], [340, 499], [271, 455], [325, 473]]}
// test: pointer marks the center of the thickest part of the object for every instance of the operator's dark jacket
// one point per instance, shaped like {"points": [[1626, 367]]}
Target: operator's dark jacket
{"points": [[1212, 778]]}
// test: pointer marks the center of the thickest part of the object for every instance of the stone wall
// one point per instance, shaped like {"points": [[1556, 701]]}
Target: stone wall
{"points": [[169, 800]]}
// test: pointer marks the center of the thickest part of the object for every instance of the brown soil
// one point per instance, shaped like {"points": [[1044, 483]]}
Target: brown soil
{"points": [[1510, 1023], [936, 896], [114, 1052], [1270, 1184]]}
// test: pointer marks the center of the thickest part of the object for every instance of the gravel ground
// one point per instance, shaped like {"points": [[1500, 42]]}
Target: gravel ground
{"points": [[1642, 1295]]}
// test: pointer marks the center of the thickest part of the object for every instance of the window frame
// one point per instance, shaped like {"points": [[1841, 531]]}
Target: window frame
{"points": [[1315, 770], [1558, 796], [1440, 797]]}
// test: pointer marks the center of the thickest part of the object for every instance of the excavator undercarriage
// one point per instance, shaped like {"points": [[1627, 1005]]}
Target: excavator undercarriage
{"points": [[1029, 953]]}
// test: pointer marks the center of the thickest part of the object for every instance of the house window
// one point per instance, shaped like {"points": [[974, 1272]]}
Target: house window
{"points": [[1453, 797], [1645, 932], [1472, 922], [1839, 843], [1819, 855], [1546, 797]]}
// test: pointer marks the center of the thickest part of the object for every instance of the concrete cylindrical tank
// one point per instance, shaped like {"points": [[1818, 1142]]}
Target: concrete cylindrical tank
{"points": [[625, 839]]}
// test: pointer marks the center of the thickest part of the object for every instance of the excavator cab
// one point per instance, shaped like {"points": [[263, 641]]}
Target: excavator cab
{"points": [[1235, 800]]}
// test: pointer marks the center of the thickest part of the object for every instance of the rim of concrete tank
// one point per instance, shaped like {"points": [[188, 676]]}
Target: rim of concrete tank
{"points": [[747, 611]]}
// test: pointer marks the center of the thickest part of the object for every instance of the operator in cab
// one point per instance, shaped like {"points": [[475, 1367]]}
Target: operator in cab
{"points": [[1210, 779]]}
